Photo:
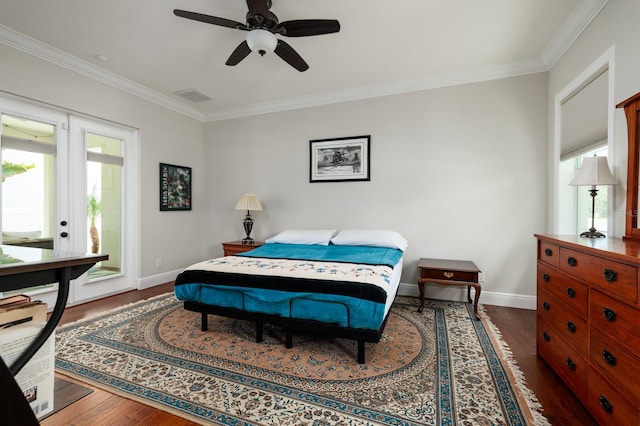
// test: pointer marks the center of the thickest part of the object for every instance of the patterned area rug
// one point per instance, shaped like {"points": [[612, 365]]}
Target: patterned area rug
{"points": [[435, 367]]}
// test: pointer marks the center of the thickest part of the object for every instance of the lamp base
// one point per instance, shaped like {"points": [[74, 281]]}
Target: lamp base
{"points": [[248, 241], [592, 233], [248, 226]]}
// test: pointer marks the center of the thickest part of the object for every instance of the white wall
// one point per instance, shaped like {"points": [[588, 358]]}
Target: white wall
{"points": [[459, 171], [616, 26], [165, 136]]}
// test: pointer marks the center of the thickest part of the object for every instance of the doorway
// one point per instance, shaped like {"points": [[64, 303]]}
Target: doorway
{"points": [[67, 184]]}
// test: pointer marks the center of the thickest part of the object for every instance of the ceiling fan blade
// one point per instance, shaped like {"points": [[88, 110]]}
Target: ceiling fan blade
{"points": [[308, 27], [210, 19], [241, 52], [259, 7], [290, 56]]}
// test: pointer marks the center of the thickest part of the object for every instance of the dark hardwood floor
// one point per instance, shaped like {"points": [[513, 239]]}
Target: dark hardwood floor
{"points": [[516, 325], [518, 329]]}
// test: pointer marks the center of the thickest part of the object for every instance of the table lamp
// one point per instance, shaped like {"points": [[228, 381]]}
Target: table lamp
{"points": [[248, 202], [593, 171]]}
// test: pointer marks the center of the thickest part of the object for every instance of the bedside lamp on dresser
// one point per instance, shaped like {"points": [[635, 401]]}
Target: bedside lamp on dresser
{"points": [[593, 172]]}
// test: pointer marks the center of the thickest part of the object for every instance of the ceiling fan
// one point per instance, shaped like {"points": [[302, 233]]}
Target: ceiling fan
{"points": [[263, 26]]}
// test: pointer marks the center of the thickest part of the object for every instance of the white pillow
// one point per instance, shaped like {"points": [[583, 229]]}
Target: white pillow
{"points": [[303, 236], [370, 237]]}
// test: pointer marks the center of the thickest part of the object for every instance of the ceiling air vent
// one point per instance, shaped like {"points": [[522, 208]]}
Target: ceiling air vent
{"points": [[193, 95]]}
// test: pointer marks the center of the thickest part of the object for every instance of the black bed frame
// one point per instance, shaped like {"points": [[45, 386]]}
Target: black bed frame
{"points": [[290, 325]]}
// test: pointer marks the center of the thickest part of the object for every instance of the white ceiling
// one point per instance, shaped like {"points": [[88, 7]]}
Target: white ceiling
{"points": [[383, 47]]}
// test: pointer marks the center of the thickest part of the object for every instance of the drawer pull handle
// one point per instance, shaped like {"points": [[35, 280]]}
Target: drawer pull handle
{"points": [[605, 404], [571, 292], [546, 278], [546, 306], [572, 261], [610, 275], [571, 364], [448, 275], [609, 358], [609, 314], [545, 336], [571, 327], [548, 252]]}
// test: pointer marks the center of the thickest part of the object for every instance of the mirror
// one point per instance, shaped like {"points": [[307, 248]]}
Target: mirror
{"points": [[632, 112]]}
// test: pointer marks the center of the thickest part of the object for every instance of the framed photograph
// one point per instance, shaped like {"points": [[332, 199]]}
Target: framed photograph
{"points": [[340, 160], [175, 187]]}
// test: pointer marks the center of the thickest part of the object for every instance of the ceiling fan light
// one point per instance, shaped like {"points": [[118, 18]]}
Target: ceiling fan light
{"points": [[262, 41]]}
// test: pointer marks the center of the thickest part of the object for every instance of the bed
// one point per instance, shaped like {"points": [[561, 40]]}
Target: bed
{"points": [[340, 284]]}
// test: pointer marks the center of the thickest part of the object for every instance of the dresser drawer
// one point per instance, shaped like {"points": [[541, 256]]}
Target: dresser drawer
{"points": [[548, 253], [565, 322], [565, 360], [618, 279], [607, 405], [570, 292], [615, 319], [617, 365]]}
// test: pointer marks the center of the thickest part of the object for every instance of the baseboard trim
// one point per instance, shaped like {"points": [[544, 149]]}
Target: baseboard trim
{"points": [[154, 280], [460, 294]]}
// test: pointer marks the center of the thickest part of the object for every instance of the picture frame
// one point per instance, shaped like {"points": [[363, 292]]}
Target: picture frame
{"points": [[340, 159], [175, 187]]}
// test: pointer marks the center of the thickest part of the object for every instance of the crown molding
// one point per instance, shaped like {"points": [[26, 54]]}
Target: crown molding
{"points": [[573, 26], [434, 81], [63, 59]]}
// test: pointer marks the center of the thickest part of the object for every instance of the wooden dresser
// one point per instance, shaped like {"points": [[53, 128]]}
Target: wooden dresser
{"points": [[588, 321]]}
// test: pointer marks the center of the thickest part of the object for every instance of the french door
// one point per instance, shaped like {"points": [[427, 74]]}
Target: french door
{"points": [[65, 187]]}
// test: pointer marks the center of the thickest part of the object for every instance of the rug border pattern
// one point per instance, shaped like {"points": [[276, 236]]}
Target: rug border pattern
{"points": [[446, 411]]}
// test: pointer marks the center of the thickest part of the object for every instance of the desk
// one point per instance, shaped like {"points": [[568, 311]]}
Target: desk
{"points": [[24, 267], [449, 272]]}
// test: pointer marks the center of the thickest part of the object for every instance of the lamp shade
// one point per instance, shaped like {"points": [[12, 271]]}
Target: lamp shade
{"points": [[248, 202], [262, 41], [594, 171]]}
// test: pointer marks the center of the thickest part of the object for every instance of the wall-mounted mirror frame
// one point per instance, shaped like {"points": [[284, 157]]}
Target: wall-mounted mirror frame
{"points": [[605, 63], [632, 112]]}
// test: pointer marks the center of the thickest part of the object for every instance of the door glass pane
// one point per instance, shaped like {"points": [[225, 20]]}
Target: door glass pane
{"points": [[28, 183], [104, 203], [28, 186]]}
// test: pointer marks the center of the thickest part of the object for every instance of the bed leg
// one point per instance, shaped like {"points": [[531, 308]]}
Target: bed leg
{"points": [[289, 339], [360, 351], [259, 331], [204, 322]]}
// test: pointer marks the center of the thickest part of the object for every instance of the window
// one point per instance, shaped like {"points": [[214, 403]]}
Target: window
{"points": [[578, 198]]}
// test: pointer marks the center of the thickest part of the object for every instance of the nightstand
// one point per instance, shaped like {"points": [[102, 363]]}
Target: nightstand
{"points": [[449, 272], [234, 247]]}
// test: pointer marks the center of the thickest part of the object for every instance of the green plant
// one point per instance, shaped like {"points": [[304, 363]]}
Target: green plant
{"points": [[94, 208], [11, 169]]}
